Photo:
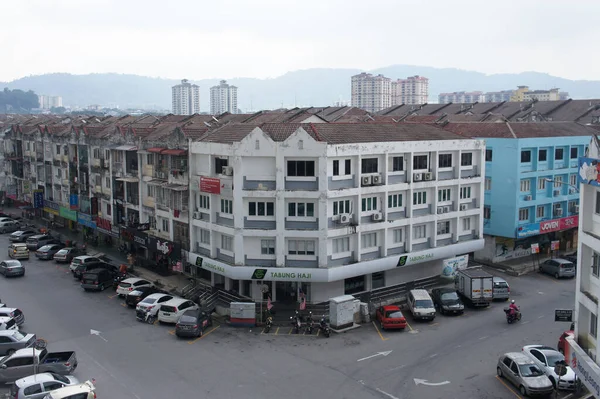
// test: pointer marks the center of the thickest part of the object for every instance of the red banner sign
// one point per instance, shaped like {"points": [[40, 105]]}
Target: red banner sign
{"points": [[559, 224], [103, 224], [210, 185]]}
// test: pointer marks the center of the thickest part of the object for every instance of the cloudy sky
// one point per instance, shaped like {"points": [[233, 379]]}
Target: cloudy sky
{"points": [[266, 38]]}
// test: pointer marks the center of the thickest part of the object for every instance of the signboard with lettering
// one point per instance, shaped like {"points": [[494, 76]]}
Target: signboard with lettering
{"points": [[547, 226], [85, 220], [51, 207], [451, 266], [585, 368], [588, 172], [554, 245], [535, 248], [68, 213], [563, 315], [105, 226], [38, 199], [74, 201], [210, 185]]}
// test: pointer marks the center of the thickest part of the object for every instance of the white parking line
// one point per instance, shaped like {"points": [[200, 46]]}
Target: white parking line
{"points": [[432, 356], [385, 393], [484, 337], [525, 322], [398, 368], [539, 317]]}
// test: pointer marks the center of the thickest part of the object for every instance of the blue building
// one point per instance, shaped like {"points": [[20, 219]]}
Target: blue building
{"points": [[531, 191]]}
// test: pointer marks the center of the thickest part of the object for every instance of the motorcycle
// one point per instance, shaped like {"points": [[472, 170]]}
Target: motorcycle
{"points": [[296, 323], [512, 317], [309, 324], [145, 316], [324, 327], [118, 278], [268, 324]]}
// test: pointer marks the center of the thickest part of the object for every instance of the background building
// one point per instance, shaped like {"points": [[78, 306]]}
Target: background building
{"points": [[371, 93], [47, 102], [468, 97], [524, 94], [412, 90], [223, 98], [186, 98]]}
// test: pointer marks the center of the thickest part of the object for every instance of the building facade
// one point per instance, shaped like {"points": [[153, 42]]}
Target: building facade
{"points": [[412, 90], [371, 93], [223, 98], [469, 97], [47, 102], [185, 98]]}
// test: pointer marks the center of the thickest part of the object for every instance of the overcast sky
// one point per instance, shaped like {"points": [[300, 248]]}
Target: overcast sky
{"points": [[266, 38]]}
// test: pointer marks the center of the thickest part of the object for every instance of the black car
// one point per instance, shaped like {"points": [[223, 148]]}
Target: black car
{"points": [[446, 300], [48, 251], [571, 257], [81, 269], [137, 295], [96, 279], [192, 323]]}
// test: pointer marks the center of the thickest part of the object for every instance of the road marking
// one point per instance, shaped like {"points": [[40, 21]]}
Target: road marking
{"points": [[385, 393], [277, 331], [434, 324], [96, 332], [458, 346], [507, 387], [172, 332], [204, 335], [484, 337], [384, 354], [123, 304], [112, 296], [525, 322], [432, 356], [398, 368], [431, 384], [318, 331], [290, 332], [539, 317], [379, 332]]}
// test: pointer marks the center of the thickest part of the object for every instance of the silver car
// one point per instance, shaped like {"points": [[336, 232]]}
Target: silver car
{"points": [[558, 268], [38, 386], [519, 369], [11, 268], [501, 289], [546, 358], [13, 340]]}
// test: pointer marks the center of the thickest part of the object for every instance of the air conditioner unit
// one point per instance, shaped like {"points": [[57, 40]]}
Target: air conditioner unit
{"points": [[556, 193], [558, 212], [344, 218], [440, 210], [417, 176], [572, 190], [446, 209], [463, 207], [227, 171], [528, 198], [196, 215], [376, 179], [377, 217], [428, 176], [366, 180]]}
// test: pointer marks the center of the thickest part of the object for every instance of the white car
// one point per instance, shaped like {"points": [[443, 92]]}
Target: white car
{"points": [[39, 385], [131, 284], [87, 390], [82, 260], [172, 310], [152, 303], [8, 323], [546, 357]]}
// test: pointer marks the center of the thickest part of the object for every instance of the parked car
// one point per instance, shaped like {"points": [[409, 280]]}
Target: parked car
{"points": [[13, 340], [15, 313], [562, 341], [6, 219], [546, 358], [446, 300], [21, 235], [421, 305], [151, 303], [500, 289], [39, 240], [48, 251], [22, 363], [519, 369], [572, 257], [8, 323], [87, 390], [131, 284], [37, 386], [11, 268], [558, 268], [192, 323], [18, 251], [66, 255], [87, 267], [172, 310], [390, 317], [9, 226], [82, 260], [135, 296], [97, 279]]}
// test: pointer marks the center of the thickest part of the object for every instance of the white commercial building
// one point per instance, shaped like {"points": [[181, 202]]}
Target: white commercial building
{"points": [[332, 209], [185, 98], [223, 98]]}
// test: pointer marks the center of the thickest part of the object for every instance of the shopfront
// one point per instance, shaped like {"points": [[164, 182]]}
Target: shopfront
{"points": [[69, 216], [87, 222], [543, 233], [105, 227], [51, 211]]}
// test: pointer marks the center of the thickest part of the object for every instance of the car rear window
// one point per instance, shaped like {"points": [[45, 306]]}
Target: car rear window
{"points": [[566, 265], [124, 285], [76, 261], [394, 314], [90, 276], [10, 324], [187, 319], [167, 308], [500, 284], [149, 300]]}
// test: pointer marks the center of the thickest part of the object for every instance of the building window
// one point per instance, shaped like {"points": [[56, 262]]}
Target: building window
{"points": [[540, 212], [165, 225], [58, 149], [465, 192], [397, 236], [593, 325], [444, 195], [340, 207], [573, 180], [466, 224], [397, 164], [395, 201], [301, 168], [340, 245], [542, 183], [466, 159], [574, 152], [369, 165], [107, 180], [525, 156], [420, 198], [220, 163], [377, 280], [368, 240], [596, 264], [354, 284], [445, 161], [558, 154], [369, 204], [151, 190], [488, 155], [267, 247], [543, 155], [523, 214], [107, 155], [348, 167], [261, 209], [226, 243], [420, 162], [205, 236], [443, 227], [420, 231], [301, 247], [525, 185], [487, 212], [488, 184], [558, 181], [336, 167], [597, 203], [149, 159], [301, 209], [226, 206], [108, 209], [204, 201]]}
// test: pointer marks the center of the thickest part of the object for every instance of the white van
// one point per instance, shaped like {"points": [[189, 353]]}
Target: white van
{"points": [[420, 305]]}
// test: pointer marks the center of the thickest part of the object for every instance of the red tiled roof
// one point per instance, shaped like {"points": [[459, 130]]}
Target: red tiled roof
{"points": [[520, 129]]}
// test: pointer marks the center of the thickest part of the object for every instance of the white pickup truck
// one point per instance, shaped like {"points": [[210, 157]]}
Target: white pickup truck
{"points": [[30, 361]]}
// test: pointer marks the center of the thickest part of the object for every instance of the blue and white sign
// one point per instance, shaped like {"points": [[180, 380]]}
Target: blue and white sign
{"points": [[528, 230], [451, 266], [86, 220], [589, 169]]}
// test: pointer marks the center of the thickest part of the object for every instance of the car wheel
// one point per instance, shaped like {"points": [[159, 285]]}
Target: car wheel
{"points": [[381, 325], [556, 276], [101, 287], [523, 390], [499, 372]]}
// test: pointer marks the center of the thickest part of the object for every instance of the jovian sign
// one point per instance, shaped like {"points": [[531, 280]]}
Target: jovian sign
{"points": [[547, 226]]}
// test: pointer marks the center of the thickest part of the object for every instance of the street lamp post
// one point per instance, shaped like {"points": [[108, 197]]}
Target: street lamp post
{"points": [[549, 180]]}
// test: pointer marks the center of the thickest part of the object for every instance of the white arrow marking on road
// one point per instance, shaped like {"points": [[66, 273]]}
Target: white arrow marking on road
{"points": [[96, 332], [431, 384], [540, 292], [375, 355]]}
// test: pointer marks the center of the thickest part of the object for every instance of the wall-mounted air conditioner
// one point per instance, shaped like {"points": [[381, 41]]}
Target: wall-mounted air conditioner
{"points": [[344, 218], [528, 198], [376, 179], [556, 193], [572, 190], [558, 212], [575, 209], [428, 176], [377, 217], [227, 170], [440, 210], [417, 176], [463, 207], [446, 209], [366, 180], [196, 215]]}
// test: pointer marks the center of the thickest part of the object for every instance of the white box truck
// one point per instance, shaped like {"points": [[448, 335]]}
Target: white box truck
{"points": [[475, 286]]}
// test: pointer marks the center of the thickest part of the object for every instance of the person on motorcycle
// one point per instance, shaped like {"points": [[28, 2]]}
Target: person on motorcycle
{"points": [[513, 308]]}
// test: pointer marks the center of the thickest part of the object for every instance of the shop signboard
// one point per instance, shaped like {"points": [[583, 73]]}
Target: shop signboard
{"points": [[86, 220], [554, 245], [547, 226], [74, 201], [210, 185], [563, 315], [535, 248], [589, 169], [51, 207], [585, 368], [38, 199], [68, 214], [105, 226], [451, 266]]}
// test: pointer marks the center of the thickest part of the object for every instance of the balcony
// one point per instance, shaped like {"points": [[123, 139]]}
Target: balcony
{"points": [[117, 169], [133, 199], [39, 156], [160, 173], [65, 182], [65, 158], [148, 170]]}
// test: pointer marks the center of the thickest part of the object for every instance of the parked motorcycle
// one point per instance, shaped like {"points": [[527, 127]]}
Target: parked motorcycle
{"points": [[145, 316], [268, 324], [118, 278], [296, 323], [324, 327], [512, 317], [309, 323]]}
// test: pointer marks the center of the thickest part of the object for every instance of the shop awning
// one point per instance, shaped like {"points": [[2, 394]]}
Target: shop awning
{"points": [[157, 182], [174, 152], [128, 179], [156, 149], [176, 187], [127, 148], [110, 146]]}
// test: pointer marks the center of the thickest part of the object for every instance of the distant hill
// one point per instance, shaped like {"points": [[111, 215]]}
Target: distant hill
{"points": [[316, 87]]}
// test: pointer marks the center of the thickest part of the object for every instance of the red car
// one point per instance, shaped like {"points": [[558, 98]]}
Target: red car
{"points": [[390, 317]]}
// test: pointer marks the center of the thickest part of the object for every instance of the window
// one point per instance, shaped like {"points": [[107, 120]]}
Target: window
{"points": [[108, 210], [340, 245], [420, 198], [378, 280], [573, 180], [204, 201], [301, 247], [420, 231], [165, 225], [558, 182], [488, 184], [226, 242], [52, 385], [558, 154], [261, 208], [397, 236], [301, 209], [226, 206], [466, 159], [394, 200], [543, 155], [525, 185], [369, 165], [150, 159], [444, 195], [342, 206], [336, 167], [96, 153], [465, 192], [205, 236], [397, 164], [488, 155], [443, 227], [151, 190], [420, 162], [58, 149], [267, 247], [487, 212], [593, 325], [445, 161], [542, 183], [348, 167], [107, 181], [59, 175], [574, 152], [466, 224], [219, 164], [369, 204], [301, 168], [597, 203], [37, 388], [539, 213], [368, 240], [523, 214], [525, 156], [596, 264]]}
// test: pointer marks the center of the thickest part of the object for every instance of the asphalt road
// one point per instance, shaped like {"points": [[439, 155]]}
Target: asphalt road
{"points": [[135, 360]]}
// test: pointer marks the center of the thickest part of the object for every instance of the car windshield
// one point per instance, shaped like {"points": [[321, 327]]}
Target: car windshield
{"points": [[18, 336], [45, 248], [62, 252], [424, 303], [135, 293], [60, 378], [530, 370], [449, 296], [554, 358], [394, 314], [17, 233]]}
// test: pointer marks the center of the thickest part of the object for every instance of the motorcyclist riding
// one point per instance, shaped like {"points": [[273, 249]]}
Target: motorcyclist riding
{"points": [[513, 308]]}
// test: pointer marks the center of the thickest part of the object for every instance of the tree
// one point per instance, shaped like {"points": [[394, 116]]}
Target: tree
{"points": [[58, 110], [18, 101]]}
